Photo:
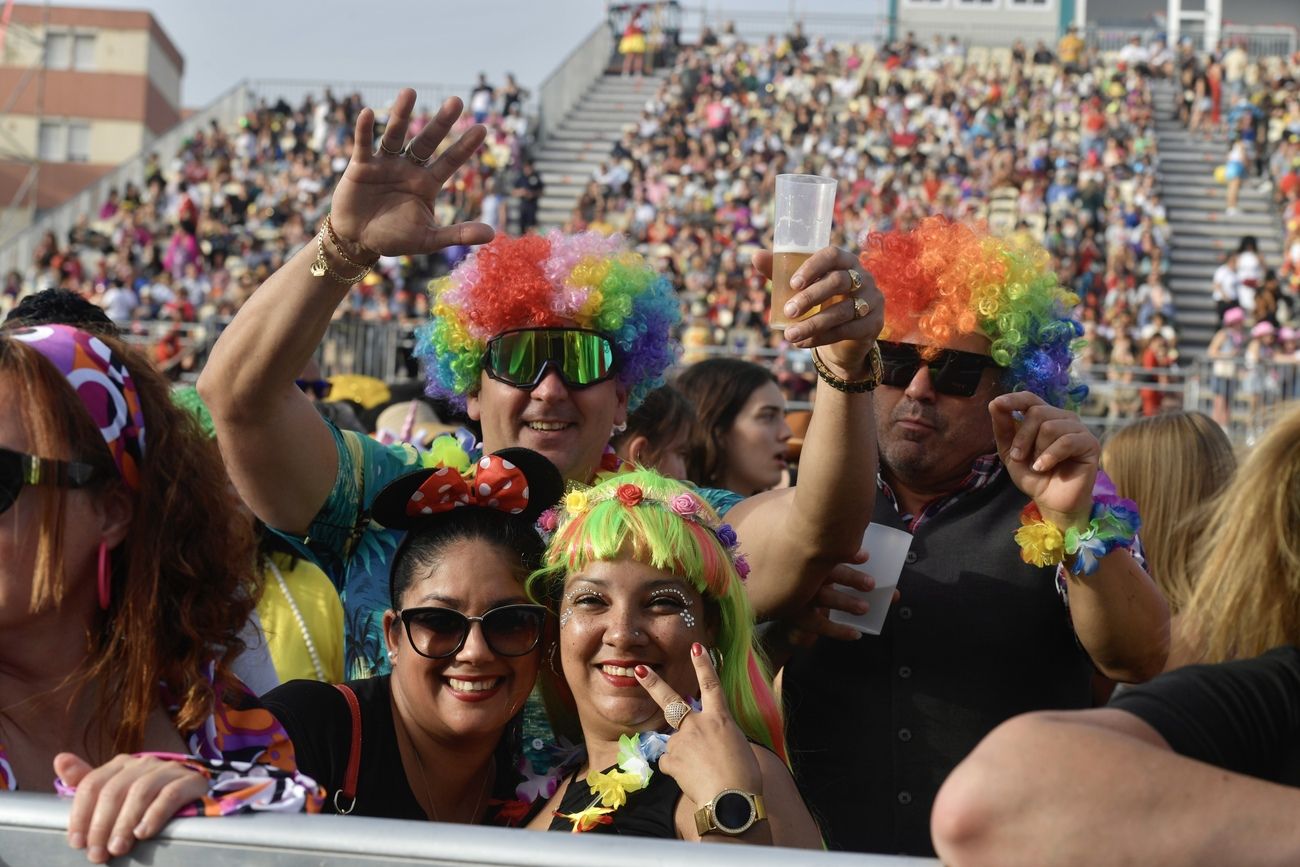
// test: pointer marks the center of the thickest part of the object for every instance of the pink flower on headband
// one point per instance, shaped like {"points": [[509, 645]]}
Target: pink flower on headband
{"points": [[684, 505], [628, 495], [549, 520], [742, 567]]}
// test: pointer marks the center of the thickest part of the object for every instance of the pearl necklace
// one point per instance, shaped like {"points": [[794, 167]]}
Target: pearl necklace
{"points": [[302, 624]]}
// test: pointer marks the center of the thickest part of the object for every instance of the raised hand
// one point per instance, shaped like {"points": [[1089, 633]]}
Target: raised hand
{"points": [[1051, 456], [128, 799], [844, 329], [384, 201], [708, 753]]}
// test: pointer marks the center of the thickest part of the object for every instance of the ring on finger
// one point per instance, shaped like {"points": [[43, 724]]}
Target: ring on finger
{"points": [[410, 154], [675, 712], [856, 279], [390, 151], [861, 308]]}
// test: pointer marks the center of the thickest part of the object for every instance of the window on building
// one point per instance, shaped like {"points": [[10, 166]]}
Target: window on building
{"points": [[83, 51], [1029, 4], [52, 143], [58, 50], [78, 142], [927, 3], [977, 4]]}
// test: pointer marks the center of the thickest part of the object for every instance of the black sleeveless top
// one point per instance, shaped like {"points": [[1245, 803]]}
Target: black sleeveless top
{"points": [[647, 813]]}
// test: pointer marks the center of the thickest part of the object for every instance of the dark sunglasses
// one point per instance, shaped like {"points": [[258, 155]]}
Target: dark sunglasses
{"points": [[521, 358], [511, 630], [18, 469], [319, 387], [952, 371]]}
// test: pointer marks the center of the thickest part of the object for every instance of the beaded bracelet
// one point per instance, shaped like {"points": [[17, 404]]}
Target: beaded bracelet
{"points": [[1114, 524]]}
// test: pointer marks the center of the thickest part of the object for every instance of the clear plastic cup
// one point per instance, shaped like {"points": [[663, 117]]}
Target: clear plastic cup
{"points": [[888, 548], [805, 206]]}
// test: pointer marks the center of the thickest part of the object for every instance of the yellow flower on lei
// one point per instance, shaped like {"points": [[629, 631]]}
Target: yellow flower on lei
{"points": [[613, 786], [575, 503], [585, 820], [1041, 543]]}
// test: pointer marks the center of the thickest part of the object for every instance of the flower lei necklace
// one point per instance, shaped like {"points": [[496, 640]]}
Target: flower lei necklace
{"points": [[611, 788]]}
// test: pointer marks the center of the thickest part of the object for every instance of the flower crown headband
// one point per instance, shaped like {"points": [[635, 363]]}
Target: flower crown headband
{"points": [[685, 505]]}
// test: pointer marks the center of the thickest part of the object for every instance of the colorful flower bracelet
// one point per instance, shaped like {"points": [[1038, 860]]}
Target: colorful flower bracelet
{"points": [[1114, 524]]}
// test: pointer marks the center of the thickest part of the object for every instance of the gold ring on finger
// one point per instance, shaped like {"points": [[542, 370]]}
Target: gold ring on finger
{"points": [[861, 308], [675, 712], [390, 151], [856, 279]]}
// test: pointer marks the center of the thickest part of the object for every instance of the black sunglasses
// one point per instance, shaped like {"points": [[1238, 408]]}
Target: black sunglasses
{"points": [[511, 630], [952, 371], [521, 358], [321, 388], [18, 469]]}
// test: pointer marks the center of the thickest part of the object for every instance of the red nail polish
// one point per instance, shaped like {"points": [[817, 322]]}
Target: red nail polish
{"points": [[642, 671], [697, 649]]}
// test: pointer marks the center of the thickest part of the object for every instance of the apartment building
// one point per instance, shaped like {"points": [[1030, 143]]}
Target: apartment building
{"points": [[81, 90]]}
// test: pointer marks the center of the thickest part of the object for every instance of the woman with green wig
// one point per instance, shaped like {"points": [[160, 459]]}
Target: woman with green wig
{"points": [[655, 657]]}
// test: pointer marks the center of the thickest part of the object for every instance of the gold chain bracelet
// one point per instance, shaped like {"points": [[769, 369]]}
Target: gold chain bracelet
{"points": [[338, 247], [321, 267], [856, 386]]}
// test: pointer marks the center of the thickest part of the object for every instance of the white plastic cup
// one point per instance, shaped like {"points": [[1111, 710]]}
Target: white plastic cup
{"points": [[888, 548], [805, 208]]}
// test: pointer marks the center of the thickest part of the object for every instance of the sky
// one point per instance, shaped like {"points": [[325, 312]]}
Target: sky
{"points": [[400, 41]]}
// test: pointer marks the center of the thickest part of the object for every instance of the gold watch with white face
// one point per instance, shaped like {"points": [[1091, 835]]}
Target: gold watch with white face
{"points": [[731, 812]]}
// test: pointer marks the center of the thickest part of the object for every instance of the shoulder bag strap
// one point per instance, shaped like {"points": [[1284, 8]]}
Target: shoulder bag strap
{"points": [[349, 789]]}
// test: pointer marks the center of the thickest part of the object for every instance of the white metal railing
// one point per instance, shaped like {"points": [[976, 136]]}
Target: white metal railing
{"points": [[572, 78], [1262, 40], [16, 251], [33, 834]]}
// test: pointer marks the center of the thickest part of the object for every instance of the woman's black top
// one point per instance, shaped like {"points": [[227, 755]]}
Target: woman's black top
{"points": [[318, 721], [647, 813]]}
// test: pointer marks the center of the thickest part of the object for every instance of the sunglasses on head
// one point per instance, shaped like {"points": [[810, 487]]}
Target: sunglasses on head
{"points": [[952, 371], [319, 387], [521, 358], [18, 469], [511, 630]]}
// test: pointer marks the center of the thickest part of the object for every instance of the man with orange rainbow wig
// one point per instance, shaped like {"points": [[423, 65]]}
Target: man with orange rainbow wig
{"points": [[1020, 583]]}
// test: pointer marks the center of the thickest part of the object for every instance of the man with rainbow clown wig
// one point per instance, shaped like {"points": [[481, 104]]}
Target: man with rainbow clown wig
{"points": [[1021, 581], [547, 342]]}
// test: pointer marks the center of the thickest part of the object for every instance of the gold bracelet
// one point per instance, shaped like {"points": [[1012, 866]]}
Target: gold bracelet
{"points": [[321, 267], [338, 247], [856, 386]]}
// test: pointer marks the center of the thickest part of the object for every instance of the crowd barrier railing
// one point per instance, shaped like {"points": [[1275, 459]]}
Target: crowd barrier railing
{"points": [[378, 95], [33, 834]]}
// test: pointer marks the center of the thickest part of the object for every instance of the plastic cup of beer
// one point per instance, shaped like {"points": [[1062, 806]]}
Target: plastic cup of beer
{"points": [[888, 548], [805, 205]]}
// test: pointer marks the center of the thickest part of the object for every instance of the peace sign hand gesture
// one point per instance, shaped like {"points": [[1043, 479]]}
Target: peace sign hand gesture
{"points": [[384, 201], [708, 753]]}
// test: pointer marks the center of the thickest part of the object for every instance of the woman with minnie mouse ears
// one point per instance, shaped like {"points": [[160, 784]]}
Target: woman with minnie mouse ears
{"points": [[438, 738]]}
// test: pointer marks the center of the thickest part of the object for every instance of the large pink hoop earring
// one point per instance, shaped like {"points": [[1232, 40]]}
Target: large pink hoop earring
{"points": [[105, 576]]}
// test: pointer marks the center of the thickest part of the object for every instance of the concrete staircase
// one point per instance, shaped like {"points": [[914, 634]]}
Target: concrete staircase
{"points": [[1202, 233], [574, 151]]}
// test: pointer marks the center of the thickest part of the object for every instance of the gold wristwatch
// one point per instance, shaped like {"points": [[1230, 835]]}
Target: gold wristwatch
{"points": [[731, 812]]}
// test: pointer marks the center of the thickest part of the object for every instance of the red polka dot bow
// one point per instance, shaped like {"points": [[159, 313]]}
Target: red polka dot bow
{"points": [[497, 484]]}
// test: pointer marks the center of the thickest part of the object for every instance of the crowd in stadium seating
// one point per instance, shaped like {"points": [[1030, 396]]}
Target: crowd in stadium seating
{"points": [[1056, 143]]}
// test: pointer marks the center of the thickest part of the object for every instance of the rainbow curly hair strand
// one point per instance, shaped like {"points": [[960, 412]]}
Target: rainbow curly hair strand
{"points": [[653, 533], [588, 279], [945, 279]]}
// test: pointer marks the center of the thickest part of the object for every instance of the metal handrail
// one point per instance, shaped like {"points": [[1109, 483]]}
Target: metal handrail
{"points": [[33, 834]]}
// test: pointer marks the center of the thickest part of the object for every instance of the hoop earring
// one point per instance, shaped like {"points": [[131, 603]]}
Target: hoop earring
{"points": [[715, 656], [104, 577], [550, 656]]}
